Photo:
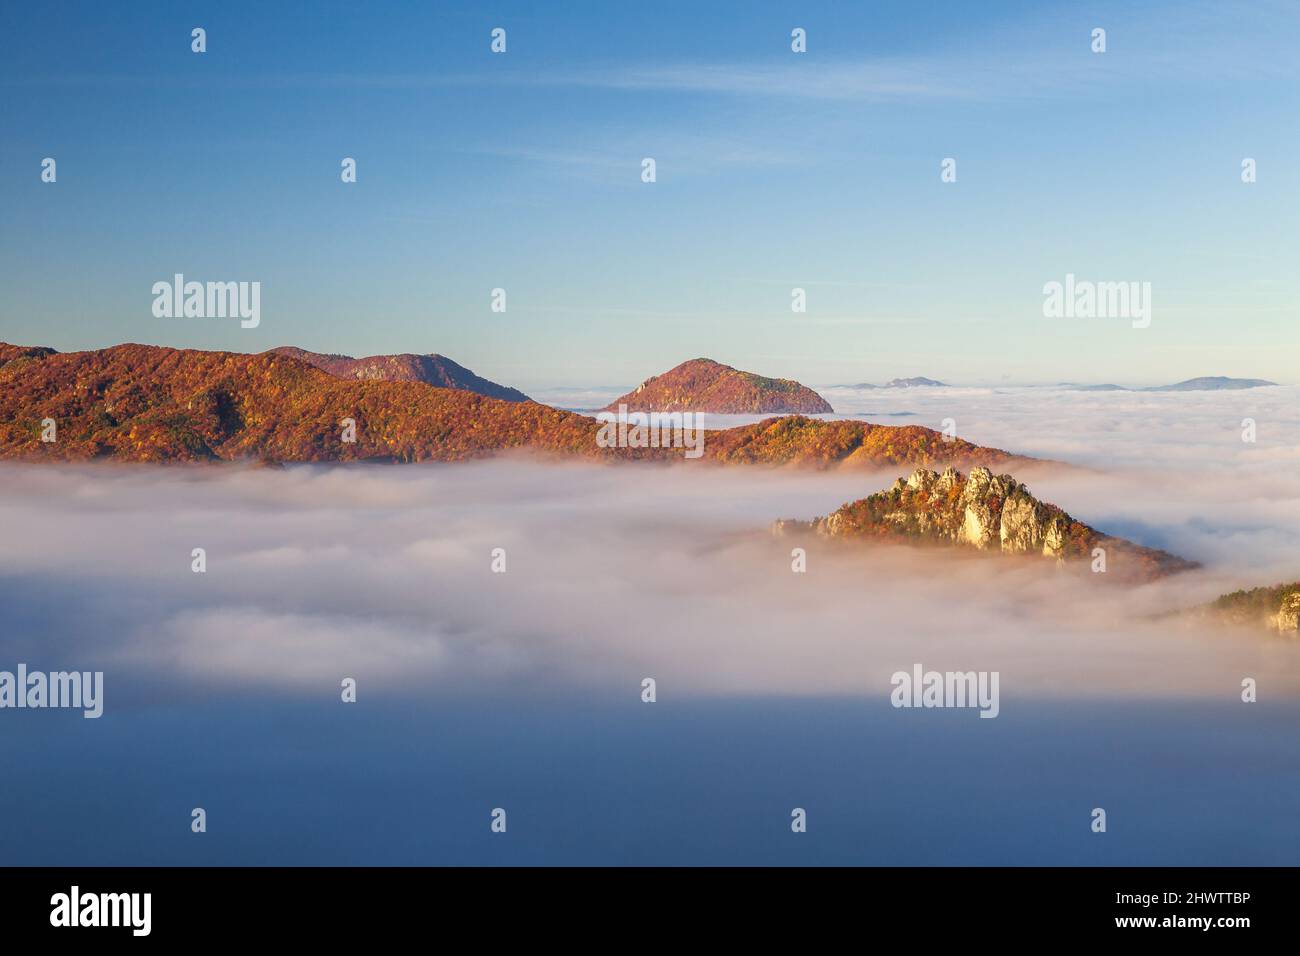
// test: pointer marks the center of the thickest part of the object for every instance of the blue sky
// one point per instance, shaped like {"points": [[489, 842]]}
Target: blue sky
{"points": [[775, 170]]}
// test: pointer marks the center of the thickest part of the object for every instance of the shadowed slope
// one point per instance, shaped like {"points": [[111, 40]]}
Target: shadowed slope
{"points": [[431, 369]]}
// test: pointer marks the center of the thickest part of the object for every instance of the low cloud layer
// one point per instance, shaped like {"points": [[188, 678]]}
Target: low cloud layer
{"points": [[383, 573]]}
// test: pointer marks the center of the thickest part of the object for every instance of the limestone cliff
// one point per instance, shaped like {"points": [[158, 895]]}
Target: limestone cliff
{"points": [[987, 512], [1275, 608], [1287, 617]]}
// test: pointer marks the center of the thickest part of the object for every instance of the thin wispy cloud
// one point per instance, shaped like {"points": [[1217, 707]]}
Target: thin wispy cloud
{"points": [[614, 158]]}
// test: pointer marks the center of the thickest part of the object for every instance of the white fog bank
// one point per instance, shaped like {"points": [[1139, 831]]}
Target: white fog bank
{"points": [[613, 574]]}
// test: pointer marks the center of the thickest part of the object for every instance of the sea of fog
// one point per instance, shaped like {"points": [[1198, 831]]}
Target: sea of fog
{"points": [[522, 690]]}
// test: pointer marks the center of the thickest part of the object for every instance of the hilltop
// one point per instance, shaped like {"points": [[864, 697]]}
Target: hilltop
{"points": [[986, 512], [432, 369], [703, 385]]}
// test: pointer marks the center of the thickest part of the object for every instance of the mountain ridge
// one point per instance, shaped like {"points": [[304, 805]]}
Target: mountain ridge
{"points": [[151, 403], [432, 369]]}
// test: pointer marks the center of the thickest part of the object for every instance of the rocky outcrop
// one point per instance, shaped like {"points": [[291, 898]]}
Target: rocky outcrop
{"points": [[1274, 608], [987, 512], [981, 510], [1287, 617], [12, 353]]}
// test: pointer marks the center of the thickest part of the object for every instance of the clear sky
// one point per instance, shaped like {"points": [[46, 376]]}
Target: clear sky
{"points": [[775, 170]]}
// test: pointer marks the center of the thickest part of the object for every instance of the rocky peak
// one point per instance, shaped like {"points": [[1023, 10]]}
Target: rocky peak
{"points": [[981, 510]]}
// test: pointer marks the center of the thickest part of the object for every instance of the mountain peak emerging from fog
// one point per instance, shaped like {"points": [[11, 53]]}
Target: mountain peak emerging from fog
{"points": [[432, 369], [703, 385], [1276, 607], [987, 512], [916, 381], [1208, 383]]}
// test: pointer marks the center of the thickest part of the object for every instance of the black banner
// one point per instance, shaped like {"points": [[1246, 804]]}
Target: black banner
{"points": [[330, 905]]}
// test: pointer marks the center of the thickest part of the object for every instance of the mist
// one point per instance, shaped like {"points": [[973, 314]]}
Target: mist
{"points": [[613, 574], [522, 689]]}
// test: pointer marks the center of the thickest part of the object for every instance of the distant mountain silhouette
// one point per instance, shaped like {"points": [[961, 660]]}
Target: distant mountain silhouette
{"points": [[1207, 383], [916, 382], [1210, 383]]}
